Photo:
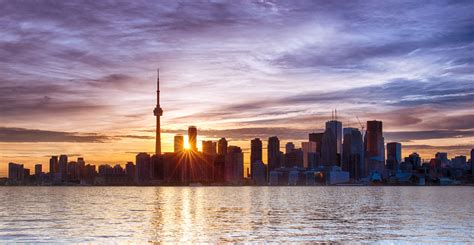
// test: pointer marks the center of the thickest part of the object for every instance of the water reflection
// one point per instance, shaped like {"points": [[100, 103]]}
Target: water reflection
{"points": [[236, 214]]}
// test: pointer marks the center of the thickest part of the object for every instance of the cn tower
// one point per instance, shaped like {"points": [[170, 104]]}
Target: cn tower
{"points": [[158, 112]]}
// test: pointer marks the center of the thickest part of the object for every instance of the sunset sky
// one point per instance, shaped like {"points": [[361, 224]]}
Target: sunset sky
{"points": [[79, 77]]}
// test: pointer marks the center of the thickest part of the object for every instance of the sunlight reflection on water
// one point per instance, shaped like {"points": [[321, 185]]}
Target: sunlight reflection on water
{"points": [[236, 214]]}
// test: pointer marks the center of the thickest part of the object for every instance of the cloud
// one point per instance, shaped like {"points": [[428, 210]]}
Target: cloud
{"points": [[20, 135]]}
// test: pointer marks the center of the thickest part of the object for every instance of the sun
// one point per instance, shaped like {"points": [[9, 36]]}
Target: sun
{"points": [[186, 143]]}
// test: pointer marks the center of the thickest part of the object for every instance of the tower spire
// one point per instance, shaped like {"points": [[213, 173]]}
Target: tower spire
{"points": [[158, 112]]}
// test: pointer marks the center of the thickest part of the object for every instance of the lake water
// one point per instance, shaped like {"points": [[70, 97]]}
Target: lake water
{"points": [[237, 214]]}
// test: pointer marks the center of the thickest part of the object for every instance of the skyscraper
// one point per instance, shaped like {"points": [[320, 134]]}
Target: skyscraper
{"points": [[329, 148], [53, 165], [255, 150], [316, 137], [63, 166], [178, 143], [209, 147], [255, 154], [192, 138], [289, 147], [472, 161], [394, 155], [143, 168], [158, 112], [273, 153], [336, 128], [234, 165], [222, 147], [307, 147], [374, 147], [353, 153]]}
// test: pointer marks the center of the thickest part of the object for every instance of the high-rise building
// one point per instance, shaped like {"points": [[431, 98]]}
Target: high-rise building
{"points": [[63, 166], [273, 153], [394, 155], [472, 161], [209, 147], [353, 153], [317, 138], [336, 128], [178, 143], [307, 148], [329, 156], [222, 147], [289, 147], [255, 150], [38, 169], [158, 112], [374, 147], [234, 165], [192, 138], [142, 168], [53, 165], [16, 173]]}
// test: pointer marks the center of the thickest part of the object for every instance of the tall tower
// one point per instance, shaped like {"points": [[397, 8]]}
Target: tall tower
{"points": [[158, 112]]}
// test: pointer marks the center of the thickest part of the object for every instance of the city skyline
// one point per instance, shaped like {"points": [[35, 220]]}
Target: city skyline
{"points": [[93, 100]]}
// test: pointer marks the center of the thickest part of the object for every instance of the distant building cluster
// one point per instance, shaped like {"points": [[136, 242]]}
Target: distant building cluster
{"points": [[336, 156]]}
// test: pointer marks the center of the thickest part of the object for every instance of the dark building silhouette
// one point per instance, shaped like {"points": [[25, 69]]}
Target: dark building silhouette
{"points": [[273, 153], [329, 156], [394, 156], [53, 166], [472, 162], [336, 128], [16, 173], [192, 138], [209, 153], [374, 147], [234, 165], [294, 158], [130, 169], [255, 153], [289, 147], [63, 167], [142, 168], [178, 143], [317, 138], [353, 153], [222, 147]]}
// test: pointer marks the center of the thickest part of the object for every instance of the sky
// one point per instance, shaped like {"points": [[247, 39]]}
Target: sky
{"points": [[79, 77]]}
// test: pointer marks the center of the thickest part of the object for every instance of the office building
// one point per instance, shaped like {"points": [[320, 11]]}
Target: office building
{"points": [[222, 147], [307, 148], [316, 138], [329, 156], [273, 153], [142, 168], [234, 165], [192, 138], [336, 128], [353, 153], [178, 143], [394, 156], [289, 147], [374, 147], [16, 173]]}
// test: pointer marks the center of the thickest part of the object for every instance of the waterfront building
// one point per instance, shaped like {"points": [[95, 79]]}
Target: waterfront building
{"points": [[307, 148], [142, 168], [192, 138], [394, 157], [353, 153], [222, 147], [273, 152], [178, 143], [234, 165]]}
